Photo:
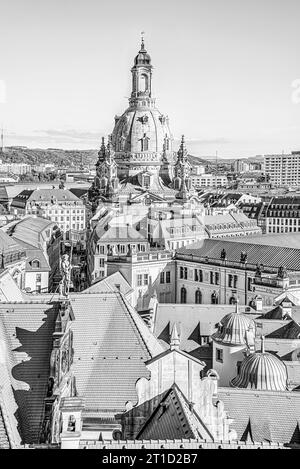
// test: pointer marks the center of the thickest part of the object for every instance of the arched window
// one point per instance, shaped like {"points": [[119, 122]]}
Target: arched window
{"points": [[143, 83], [35, 264], [198, 297], [183, 295], [214, 298], [144, 143], [232, 300]]}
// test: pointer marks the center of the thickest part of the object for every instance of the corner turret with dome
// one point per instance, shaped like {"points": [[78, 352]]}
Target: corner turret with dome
{"points": [[235, 336], [262, 371]]}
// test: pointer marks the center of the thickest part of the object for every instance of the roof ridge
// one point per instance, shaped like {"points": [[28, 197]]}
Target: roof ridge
{"points": [[140, 324]]}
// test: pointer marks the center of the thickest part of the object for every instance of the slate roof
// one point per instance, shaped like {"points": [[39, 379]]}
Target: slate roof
{"points": [[8, 245], [27, 343], [192, 321], [173, 418], [278, 312], [111, 345], [34, 253], [109, 230], [109, 284], [289, 331], [273, 415], [287, 240], [42, 195], [4, 440], [30, 229], [270, 256]]}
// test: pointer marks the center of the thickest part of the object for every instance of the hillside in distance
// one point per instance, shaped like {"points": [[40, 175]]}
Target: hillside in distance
{"points": [[55, 156], [74, 158]]}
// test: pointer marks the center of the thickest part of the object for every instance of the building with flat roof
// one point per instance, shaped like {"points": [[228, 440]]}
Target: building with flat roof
{"points": [[283, 170]]}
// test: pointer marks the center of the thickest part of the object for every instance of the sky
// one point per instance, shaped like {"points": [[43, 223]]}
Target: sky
{"points": [[227, 73]]}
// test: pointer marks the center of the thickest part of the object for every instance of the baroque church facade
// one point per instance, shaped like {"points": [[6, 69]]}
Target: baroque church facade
{"points": [[139, 157]]}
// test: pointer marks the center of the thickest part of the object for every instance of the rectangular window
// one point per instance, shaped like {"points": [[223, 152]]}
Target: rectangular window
{"points": [[139, 280], [230, 280], [168, 277], [212, 278], [101, 249], [101, 262], [219, 355], [217, 278], [162, 277], [38, 278], [146, 279], [235, 279]]}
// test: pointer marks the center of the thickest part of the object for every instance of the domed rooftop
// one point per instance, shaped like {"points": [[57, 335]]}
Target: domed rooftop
{"points": [[262, 371], [143, 58], [138, 127], [234, 328]]}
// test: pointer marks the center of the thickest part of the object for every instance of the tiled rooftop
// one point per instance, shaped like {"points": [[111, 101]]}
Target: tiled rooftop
{"points": [[111, 344], [268, 255], [27, 338], [272, 415]]}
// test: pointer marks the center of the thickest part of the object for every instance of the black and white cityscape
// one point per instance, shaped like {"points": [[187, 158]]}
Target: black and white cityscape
{"points": [[149, 225]]}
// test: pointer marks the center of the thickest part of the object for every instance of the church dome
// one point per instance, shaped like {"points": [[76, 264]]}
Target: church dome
{"points": [[141, 130], [262, 371], [234, 328]]}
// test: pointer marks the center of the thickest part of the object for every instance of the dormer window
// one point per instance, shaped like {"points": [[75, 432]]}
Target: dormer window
{"points": [[35, 264]]}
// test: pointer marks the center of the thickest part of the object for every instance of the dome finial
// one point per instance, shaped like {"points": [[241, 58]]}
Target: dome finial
{"points": [[142, 40], [262, 344]]}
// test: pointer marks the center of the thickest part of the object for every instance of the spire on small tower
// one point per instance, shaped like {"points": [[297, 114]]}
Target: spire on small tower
{"points": [[142, 41], [175, 340], [101, 152], [182, 152]]}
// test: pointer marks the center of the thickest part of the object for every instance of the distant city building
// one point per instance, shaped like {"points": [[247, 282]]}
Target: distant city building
{"points": [[229, 224], [283, 170], [218, 271], [15, 168], [41, 239], [283, 215], [209, 180], [8, 177], [58, 205], [13, 259]]}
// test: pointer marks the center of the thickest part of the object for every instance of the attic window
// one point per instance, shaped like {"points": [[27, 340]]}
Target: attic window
{"points": [[35, 264]]}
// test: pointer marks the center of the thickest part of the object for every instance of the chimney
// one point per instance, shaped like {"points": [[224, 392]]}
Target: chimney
{"points": [[258, 304], [71, 410]]}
